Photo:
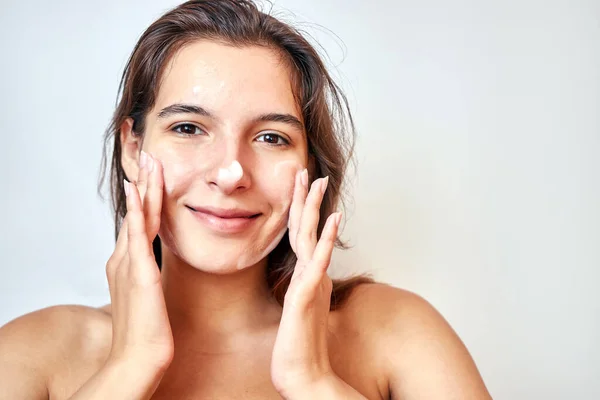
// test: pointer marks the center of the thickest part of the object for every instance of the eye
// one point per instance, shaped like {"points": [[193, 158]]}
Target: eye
{"points": [[273, 139], [187, 130]]}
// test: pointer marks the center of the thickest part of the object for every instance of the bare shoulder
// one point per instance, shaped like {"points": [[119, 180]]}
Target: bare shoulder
{"points": [[55, 326], [386, 317], [391, 311], [39, 344], [417, 350]]}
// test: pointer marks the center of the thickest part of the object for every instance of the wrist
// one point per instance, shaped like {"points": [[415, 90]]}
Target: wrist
{"points": [[119, 380], [140, 380]]}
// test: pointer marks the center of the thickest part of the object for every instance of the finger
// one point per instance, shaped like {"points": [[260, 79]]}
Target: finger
{"points": [[113, 264], [309, 221], [298, 199], [116, 262], [154, 196], [138, 246], [322, 255], [121, 244], [142, 181], [321, 258]]}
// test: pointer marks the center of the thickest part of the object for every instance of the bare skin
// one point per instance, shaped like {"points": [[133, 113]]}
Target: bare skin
{"points": [[385, 343], [366, 352]]}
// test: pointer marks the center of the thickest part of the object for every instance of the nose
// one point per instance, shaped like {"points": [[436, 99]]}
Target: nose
{"points": [[229, 174]]}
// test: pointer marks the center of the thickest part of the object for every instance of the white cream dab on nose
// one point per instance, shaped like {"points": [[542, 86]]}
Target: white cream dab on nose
{"points": [[232, 173]]}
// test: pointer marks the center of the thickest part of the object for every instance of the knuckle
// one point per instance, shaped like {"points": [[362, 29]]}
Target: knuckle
{"points": [[111, 264], [306, 233], [301, 243]]}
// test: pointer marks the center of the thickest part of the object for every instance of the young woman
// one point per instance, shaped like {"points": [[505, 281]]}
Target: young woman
{"points": [[230, 143]]}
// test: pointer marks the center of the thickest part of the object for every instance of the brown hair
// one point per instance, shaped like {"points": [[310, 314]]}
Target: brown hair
{"points": [[325, 111]]}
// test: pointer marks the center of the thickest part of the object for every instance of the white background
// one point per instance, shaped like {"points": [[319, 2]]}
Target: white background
{"points": [[478, 182]]}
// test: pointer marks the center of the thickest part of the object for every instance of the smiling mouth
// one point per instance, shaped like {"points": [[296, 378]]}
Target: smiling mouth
{"points": [[225, 213], [225, 220]]}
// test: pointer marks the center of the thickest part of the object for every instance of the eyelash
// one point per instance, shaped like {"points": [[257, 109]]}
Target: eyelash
{"points": [[176, 127]]}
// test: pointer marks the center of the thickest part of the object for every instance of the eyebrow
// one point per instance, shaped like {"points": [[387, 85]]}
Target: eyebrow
{"points": [[174, 109], [179, 108]]}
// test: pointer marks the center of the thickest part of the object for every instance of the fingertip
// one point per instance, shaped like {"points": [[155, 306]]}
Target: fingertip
{"points": [[143, 159], [316, 184], [150, 163], [333, 224], [297, 179], [297, 186], [158, 170], [324, 184], [155, 162]]}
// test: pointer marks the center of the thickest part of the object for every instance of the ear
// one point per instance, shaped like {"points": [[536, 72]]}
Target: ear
{"points": [[131, 144]]}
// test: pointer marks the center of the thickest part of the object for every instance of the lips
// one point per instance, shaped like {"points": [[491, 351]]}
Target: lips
{"points": [[225, 213], [233, 220]]}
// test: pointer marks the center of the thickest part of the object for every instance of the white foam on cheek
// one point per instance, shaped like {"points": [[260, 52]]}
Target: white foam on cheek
{"points": [[170, 177], [230, 174], [169, 186]]}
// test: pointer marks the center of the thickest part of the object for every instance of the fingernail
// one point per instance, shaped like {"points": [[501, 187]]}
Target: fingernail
{"points": [[143, 159], [324, 183], [150, 163], [126, 185], [305, 178]]}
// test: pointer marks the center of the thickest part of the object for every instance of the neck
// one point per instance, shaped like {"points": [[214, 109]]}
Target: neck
{"points": [[217, 307]]}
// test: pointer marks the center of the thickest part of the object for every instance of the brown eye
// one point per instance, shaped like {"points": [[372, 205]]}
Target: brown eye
{"points": [[188, 130], [273, 139]]}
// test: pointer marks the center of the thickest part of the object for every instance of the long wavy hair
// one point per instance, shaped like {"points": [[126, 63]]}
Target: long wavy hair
{"points": [[328, 121]]}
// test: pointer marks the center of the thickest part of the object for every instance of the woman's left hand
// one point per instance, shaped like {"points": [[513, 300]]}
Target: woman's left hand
{"points": [[300, 355]]}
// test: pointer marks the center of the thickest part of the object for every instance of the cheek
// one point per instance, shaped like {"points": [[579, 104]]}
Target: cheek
{"points": [[279, 182], [178, 169]]}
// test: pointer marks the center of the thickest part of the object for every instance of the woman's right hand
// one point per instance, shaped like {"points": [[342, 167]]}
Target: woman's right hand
{"points": [[142, 341], [142, 337]]}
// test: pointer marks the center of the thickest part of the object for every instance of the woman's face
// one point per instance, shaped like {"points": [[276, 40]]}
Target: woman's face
{"points": [[229, 135]]}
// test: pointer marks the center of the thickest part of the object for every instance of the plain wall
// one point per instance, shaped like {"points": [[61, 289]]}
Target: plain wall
{"points": [[478, 182]]}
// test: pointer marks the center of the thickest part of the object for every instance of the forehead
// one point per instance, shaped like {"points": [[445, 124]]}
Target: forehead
{"points": [[228, 80]]}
